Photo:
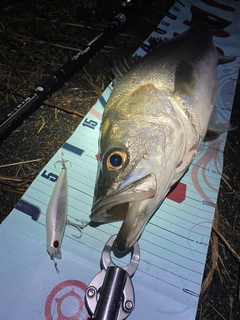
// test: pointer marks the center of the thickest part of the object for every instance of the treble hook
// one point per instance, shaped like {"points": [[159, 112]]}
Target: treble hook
{"points": [[62, 162], [78, 226]]}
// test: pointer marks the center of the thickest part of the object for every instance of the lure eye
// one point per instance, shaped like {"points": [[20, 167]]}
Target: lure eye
{"points": [[116, 160], [56, 244]]}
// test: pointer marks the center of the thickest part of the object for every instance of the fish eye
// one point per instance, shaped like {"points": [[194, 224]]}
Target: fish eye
{"points": [[116, 160]]}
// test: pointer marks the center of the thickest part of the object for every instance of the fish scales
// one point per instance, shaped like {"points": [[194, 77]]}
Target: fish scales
{"points": [[153, 124]]}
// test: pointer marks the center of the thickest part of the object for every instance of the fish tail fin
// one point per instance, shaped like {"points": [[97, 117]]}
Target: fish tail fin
{"points": [[199, 15], [215, 24]]}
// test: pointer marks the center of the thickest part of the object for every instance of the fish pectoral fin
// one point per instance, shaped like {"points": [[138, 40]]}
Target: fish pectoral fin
{"points": [[215, 129], [185, 78]]}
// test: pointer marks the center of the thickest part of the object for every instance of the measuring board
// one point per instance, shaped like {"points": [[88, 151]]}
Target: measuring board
{"points": [[173, 245]]}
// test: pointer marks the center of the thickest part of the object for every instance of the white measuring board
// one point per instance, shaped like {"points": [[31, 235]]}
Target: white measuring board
{"points": [[175, 242]]}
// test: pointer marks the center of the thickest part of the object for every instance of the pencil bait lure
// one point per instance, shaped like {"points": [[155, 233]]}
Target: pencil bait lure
{"points": [[56, 216]]}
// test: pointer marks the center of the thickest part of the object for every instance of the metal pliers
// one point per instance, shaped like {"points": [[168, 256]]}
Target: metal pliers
{"points": [[110, 295]]}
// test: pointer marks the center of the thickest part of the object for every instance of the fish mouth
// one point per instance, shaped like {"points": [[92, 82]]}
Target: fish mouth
{"points": [[129, 204]]}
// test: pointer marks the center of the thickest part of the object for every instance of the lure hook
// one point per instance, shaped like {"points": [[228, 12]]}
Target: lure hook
{"points": [[62, 162], [79, 226]]}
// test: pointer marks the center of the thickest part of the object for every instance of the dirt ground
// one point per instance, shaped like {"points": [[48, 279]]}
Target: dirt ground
{"points": [[36, 39]]}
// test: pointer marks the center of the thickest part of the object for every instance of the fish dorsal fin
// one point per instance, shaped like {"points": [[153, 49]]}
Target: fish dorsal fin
{"points": [[156, 41], [121, 65], [185, 78]]}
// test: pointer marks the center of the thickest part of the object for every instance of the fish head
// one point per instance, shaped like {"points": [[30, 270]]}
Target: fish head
{"points": [[134, 172]]}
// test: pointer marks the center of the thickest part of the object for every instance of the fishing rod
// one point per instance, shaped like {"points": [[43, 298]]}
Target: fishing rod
{"points": [[39, 94], [56, 80]]}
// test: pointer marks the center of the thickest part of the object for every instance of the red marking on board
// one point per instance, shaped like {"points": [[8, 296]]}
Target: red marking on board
{"points": [[220, 51], [187, 23], [96, 156], [60, 289], [222, 34], [216, 4], [178, 194], [70, 294], [96, 114]]}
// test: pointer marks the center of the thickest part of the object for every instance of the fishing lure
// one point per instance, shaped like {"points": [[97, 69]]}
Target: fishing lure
{"points": [[56, 216]]}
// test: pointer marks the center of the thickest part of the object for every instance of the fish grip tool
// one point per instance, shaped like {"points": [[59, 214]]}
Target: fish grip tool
{"points": [[110, 294]]}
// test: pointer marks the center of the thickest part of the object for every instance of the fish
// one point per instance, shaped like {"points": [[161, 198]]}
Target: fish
{"points": [[153, 124], [56, 215]]}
